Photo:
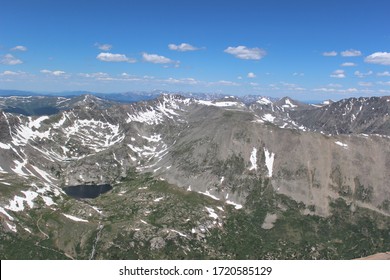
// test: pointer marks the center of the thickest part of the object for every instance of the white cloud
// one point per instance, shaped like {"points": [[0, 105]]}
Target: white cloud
{"points": [[335, 85], [19, 48], [185, 81], [224, 83], [157, 59], [348, 64], [251, 75], [340, 74], [96, 75], [362, 75], [298, 74], [53, 73], [243, 52], [183, 47], [365, 84], [351, 52], [332, 53], [384, 83], [378, 58], [10, 73], [384, 74], [103, 47], [254, 84], [112, 57], [239, 77], [9, 59], [340, 91]]}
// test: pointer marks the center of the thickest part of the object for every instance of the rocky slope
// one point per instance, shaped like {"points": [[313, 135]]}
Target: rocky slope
{"points": [[191, 174]]}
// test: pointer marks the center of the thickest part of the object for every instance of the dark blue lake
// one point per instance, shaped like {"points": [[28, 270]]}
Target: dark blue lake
{"points": [[87, 191]]}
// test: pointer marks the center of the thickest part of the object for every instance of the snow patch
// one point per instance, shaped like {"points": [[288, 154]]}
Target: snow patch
{"points": [[268, 118], [212, 213], [269, 161], [5, 146], [11, 227], [341, 144], [76, 219], [236, 205], [253, 159], [178, 232], [48, 201], [2, 210], [264, 101], [207, 193]]}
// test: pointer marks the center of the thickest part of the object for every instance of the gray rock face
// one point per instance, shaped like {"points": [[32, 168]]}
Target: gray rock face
{"points": [[218, 148], [157, 243]]}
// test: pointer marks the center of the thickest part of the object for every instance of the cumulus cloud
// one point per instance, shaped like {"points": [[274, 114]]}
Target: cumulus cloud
{"points": [[242, 52], [340, 74], [103, 47], [340, 91], [332, 53], [155, 58], [96, 75], [9, 73], [351, 52], [378, 58], [348, 64], [384, 74], [53, 73], [9, 59], [19, 48], [298, 74], [184, 81], [251, 75], [365, 84], [183, 47], [224, 83], [113, 57], [362, 75], [384, 83]]}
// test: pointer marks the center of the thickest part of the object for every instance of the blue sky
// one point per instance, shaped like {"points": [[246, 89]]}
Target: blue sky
{"points": [[308, 50]]}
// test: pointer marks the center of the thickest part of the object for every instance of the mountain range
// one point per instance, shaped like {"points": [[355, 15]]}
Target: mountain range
{"points": [[193, 177]]}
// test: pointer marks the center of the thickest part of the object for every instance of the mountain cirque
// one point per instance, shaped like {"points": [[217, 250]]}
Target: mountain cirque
{"points": [[196, 179]]}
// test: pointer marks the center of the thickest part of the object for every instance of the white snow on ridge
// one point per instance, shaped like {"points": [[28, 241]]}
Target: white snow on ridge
{"points": [[212, 213], [269, 161], [253, 159], [341, 144], [75, 218], [268, 117], [178, 232], [37, 123], [30, 196], [18, 168], [289, 104], [2, 210], [5, 146], [219, 103], [207, 193], [236, 205], [11, 227], [153, 138], [264, 101], [16, 204], [48, 201], [25, 132], [43, 174]]}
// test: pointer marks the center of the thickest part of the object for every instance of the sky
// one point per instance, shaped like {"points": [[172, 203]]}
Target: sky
{"points": [[308, 50]]}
